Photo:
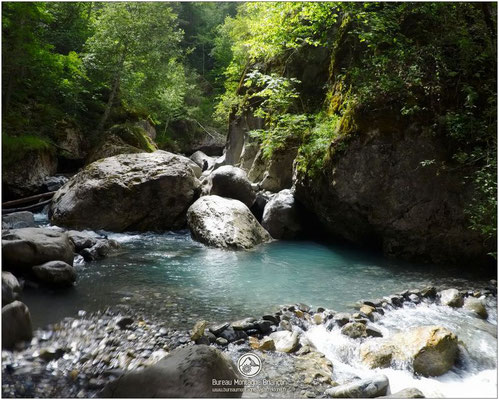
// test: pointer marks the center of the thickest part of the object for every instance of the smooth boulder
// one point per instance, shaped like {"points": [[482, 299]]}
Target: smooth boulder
{"points": [[16, 324], [55, 273], [280, 216], [16, 220], [11, 290], [231, 182], [363, 388], [186, 372], [23, 248], [451, 298], [128, 192], [225, 223]]}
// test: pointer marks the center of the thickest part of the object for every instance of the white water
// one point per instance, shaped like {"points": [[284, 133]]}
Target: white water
{"points": [[474, 375]]}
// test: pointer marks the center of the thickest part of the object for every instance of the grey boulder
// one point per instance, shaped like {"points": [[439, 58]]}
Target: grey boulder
{"points": [[16, 324], [128, 192], [55, 273], [194, 371], [280, 216], [11, 290], [231, 182], [363, 388], [21, 219], [225, 223], [26, 247]]}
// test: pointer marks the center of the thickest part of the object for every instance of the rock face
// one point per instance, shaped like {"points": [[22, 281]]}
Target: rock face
{"points": [[186, 372], [362, 388], [55, 273], [231, 182], [27, 177], [226, 223], [23, 248], [145, 191], [16, 324], [375, 192], [11, 290], [431, 350], [21, 219], [281, 217]]}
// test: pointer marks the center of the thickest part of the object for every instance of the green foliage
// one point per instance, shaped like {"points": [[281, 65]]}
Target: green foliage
{"points": [[15, 148], [134, 136]]}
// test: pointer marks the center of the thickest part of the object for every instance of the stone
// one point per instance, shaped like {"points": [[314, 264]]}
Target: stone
{"points": [[230, 182], [55, 273], [272, 318], [26, 247], [409, 393], [354, 330], [198, 330], [314, 366], [281, 216], [362, 388], [81, 240], [202, 159], [265, 344], [221, 341], [11, 290], [262, 199], [216, 329], [429, 292], [318, 318], [121, 193], [264, 326], [244, 324], [225, 223], [341, 318], [373, 332], [414, 298], [376, 355], [16, 324], [21, 219], [232, 335], [124, 322], [50, 354], [368, 311], [285, 341], [186, 372], [477, 306], [53, 183], [451, 298]]}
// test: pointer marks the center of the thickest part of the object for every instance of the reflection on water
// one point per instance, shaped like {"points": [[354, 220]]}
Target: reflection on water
{"points": [[179, 280]]}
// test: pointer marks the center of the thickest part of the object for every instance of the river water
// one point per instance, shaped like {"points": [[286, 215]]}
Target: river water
{"points": [[172, 277]]}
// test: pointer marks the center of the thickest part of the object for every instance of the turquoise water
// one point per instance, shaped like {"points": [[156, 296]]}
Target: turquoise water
{"points": [[172, 277]]}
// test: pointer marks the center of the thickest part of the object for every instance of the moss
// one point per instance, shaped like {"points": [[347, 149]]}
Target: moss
{"points": [[134, 136], [16, 148]]}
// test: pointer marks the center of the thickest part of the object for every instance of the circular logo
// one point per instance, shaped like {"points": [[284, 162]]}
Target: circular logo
{"points": [[249, 365]]}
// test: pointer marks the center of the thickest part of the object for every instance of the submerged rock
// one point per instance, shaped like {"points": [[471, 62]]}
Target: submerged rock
{"points": [[144, 191], [21, 219], [231, 182], [11, 290], [363, 388], [55, 273], [16, 324], [226, 223], [280, 216], [27, 247], [186, 372]]}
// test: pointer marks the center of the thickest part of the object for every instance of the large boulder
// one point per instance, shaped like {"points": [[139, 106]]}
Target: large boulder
{"points": [[16, 324], [21, 219], [55, 273], [134, 192], [280, 216], [231, 182], [430, 350], [11, 290], [194, 371], [363, 388], [226, 223], [23, 248]]}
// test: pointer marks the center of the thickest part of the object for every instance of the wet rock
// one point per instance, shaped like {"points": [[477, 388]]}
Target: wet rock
{"points": [[232, 335], [285, 341], [264, 326], [477, 306], [429, 292], [414, 298], [230, 182], [55, 273], [373, 332], [451, 298], [341, 318], [50, 354], [120, 193], [244, 324], [272, 318], [376, 355], [363, 388], [409, 393], [222, 342], [226, 223], [11, 290], [354, 330], [266, 344], [314, 366], [21, 219], [262, 198], [186, 372], [368, 311], [124, 322], [53, 183], [26, 247], [81, 240], [216, 329], [281, 217], [318, 318], [198, 330], [16, 324], [211, 337]]}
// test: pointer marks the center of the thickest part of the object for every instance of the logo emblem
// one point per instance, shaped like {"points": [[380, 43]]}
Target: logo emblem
{"points": [[249, 365]]}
